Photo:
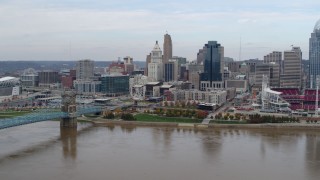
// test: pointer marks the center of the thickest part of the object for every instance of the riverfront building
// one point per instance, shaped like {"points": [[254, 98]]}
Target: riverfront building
{"points": [[10, 86], [115, 85], [218, 97], [87, 86], [314, 54], [29, 78], [48, 78]]}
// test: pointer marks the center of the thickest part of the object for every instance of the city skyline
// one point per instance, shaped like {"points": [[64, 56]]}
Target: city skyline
{"points": [[72, 30]]}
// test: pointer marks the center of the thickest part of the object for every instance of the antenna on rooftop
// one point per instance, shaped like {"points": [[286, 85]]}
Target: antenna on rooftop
{"points": [[240, 50]]}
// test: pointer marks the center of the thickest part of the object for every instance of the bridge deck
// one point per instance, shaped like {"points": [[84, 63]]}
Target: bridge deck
{"points": [[44, 115]]}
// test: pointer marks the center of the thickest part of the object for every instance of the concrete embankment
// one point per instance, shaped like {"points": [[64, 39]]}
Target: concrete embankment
{"points": [[295, 126], [135, 123]]}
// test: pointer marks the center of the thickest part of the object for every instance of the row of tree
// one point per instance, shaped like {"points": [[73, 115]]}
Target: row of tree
{"points": [[257, 118], [180, 104], [121, 115], [170, 112], [228, 116]]}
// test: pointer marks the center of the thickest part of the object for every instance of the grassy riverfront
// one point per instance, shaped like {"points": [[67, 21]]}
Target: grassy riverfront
{"points": [[10, 114], [156, 118]]}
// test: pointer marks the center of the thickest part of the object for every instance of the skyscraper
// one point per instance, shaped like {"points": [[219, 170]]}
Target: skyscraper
{"points": [[155, 67], [171, 71], [314, 54], [84, 69], [148, 60], [292, 71], [212, 77], [167, 48], [271, 70], [275, 57]]}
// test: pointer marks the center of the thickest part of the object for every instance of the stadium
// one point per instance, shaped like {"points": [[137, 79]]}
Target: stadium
{"points": [[9, 86]]}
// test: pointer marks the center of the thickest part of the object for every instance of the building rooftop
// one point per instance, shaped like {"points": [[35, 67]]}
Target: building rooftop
{"points": [[272, 91], [153, 83], [317, 26], [166, 86], [7, 78]]}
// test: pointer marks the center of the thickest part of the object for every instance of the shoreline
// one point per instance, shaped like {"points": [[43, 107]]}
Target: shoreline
{"points": [[293, 126]]}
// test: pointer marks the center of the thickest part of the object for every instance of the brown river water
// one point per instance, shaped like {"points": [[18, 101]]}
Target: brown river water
{"points": [[43, 151]]}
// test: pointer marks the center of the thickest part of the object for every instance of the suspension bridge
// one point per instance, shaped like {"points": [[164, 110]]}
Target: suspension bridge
{"points": [[67, 114]]}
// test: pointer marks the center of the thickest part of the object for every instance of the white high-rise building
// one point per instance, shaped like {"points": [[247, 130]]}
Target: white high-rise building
{"points": [[84, 69], [155, 67]]}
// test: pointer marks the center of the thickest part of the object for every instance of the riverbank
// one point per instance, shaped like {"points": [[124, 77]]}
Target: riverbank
{"points": [[294, 126]]}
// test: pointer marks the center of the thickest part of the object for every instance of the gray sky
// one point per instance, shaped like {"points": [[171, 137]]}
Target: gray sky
{"points": [[106, 30]]}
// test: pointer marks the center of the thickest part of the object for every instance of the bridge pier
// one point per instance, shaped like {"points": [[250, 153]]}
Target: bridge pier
{"points": [[69, 107], [69, 122]]}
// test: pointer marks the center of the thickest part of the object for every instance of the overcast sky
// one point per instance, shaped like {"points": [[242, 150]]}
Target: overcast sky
{"points": [[108, 29]]}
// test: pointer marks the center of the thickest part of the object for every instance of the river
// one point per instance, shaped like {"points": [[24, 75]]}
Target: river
{"points": [[43, 151]]}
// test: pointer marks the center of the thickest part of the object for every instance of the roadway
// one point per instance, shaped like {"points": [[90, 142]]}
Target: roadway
{"points": [[219, 110]]}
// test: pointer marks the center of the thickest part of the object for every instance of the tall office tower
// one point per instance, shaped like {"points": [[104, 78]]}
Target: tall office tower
{"points": [[212, 77], [181, 62], [271, 70], [194, 70], [292, 72], [171, 70], [314, 54], [200, 56], [148, 60], [167, 48], [128, 65], [155, 67], [274, 57], [84, 69]]}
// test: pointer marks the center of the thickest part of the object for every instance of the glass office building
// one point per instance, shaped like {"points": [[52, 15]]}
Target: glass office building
{"points": [[212, 77], [115, 85], [314, 54]]}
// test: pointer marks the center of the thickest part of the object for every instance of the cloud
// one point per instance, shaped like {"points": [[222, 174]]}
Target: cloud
{"points": [[244, 21], [39, 26]]}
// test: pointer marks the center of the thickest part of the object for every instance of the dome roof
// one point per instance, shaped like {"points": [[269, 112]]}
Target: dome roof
{"points": [[317, 26], [156, 47]]}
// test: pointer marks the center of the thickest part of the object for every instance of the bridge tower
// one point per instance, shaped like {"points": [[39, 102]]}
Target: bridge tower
{"points": [[69, 106]]}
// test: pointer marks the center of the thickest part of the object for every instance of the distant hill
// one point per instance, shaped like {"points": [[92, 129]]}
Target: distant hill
{"points": [[9, 67]]}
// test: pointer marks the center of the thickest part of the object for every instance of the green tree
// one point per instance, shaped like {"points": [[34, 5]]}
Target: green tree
{"points": [[166, 103], [172, 103], [183, 104], [127, 117]]}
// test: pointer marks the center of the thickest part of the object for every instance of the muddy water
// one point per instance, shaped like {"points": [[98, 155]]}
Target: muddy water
{"points": [[43, 151]]}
